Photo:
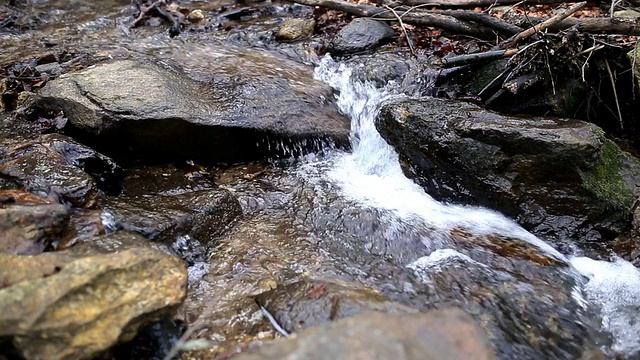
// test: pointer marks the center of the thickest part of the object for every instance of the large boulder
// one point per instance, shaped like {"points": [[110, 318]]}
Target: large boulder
{"points": [[229, 107], [444, 335], [64, 306], [557, 177]]}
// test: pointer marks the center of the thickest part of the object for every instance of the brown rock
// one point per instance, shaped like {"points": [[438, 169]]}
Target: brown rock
{"points": [[29, 223], [57, 306], [448, 334], [294, 29]]}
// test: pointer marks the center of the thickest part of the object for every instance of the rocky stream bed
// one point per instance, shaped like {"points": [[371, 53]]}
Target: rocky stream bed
{"points": [[230, 193]]}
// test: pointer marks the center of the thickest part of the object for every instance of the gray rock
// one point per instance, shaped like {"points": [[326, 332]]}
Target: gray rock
{"points": [[448, 334], [558, 177], [243, 106], [361, 34], [201, 214]]}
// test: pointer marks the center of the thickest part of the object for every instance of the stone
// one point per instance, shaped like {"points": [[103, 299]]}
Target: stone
{"points": [[28, 224], [232, 106], [43, 171], [58, 306], [305, 304], [558, 177], [200, 214], [443, 335], [294, 29], [55, 165], [361, 34], [83, 224]]}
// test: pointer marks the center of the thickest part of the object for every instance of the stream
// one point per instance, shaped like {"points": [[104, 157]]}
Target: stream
{"points": [[371, 177], [348, 219]]}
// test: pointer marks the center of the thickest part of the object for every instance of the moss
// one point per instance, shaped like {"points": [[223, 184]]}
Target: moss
{"points": [[605, 181]]}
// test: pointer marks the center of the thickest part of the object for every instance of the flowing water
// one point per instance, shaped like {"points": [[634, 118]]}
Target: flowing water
{"points": [[371, 176]]}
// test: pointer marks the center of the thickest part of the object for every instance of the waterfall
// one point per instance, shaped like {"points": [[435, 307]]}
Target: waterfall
{"points": [[371, 175]]}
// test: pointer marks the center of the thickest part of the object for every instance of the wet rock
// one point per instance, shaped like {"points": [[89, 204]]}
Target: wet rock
{"points": [[558, 177], [83, 224], [527, 303], [104, 170], [112, 243], [445, 334], [243, 106], [306, 304], [361, 34], [57, 306], [200, 214], [55, 165], [294, 29], [28, 224]]}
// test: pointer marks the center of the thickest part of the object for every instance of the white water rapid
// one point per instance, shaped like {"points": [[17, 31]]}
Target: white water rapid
{"points": [[371, 176]]}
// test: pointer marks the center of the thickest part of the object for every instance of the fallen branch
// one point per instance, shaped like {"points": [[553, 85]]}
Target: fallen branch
{"points": [[477, 3], [543, 25], [598, 25], [478, 57], [444, 22], [404, 29]]}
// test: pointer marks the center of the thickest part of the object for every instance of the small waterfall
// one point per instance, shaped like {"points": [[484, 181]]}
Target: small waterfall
{"points": [[371, 176]]}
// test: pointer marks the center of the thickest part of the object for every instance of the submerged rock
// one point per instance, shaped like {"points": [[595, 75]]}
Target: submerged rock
{"points": [[305, 304], [243, 106], [361, 34], [58, 306], [445, 335], [201, 214], [558, 177], [28, 224]]}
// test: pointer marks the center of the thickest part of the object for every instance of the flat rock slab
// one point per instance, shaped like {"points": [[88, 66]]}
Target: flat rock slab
{"points": [[448, 334], [243, 106], [59, 306]]}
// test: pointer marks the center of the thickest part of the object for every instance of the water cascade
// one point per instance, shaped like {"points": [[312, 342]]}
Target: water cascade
{"points": [[371, 176]]}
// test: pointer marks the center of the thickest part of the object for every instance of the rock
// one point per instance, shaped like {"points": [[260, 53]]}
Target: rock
{"points": [[112, 243], [558, 177], [28, 224], [525, 300], [196, 16], [200, 214], [243, 106], [104, 170], [361, 34], [443, 335], [294, 29], [57, 306], [633, 55], [83, 224], [306, 304], [166, 180], [55, 165]]}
